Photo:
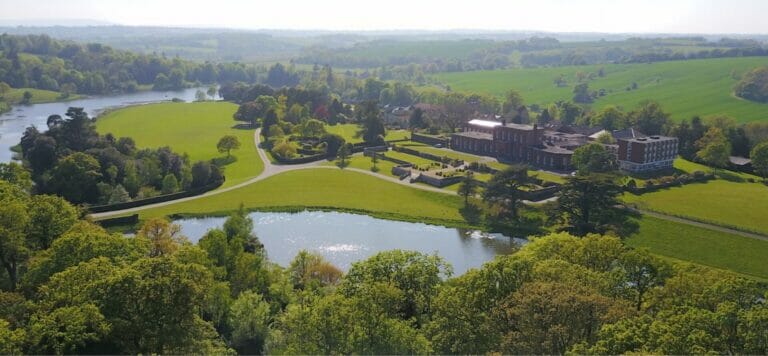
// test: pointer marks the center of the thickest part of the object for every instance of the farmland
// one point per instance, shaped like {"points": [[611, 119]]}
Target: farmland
{"points": [[684, 88]]}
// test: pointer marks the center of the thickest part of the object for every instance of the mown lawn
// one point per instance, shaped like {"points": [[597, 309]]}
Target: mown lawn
{"points": [[192, 128], [722, 202], [684, 88], [706, 247], [349, 133], [38, 96], [329, 189]]}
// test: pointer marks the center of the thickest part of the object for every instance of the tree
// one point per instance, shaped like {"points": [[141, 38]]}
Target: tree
{"points": [[759, 156], [4, 89], [581, 94], [163, 237], [227, 143], [200, 95], [49, 218], [714, 148], [457, 110], [754, 85], [372, 126], [590, 204], [67, 329], [512, 102], [212, 90], [643, 272], [26, 98], [170, 184], [249, 319], [468, 187], [416, 120], [505, 190], [593, 158], [610, 118], [14, 219], [606, 138], [15, 174], [284, 149], [75, 178], [374, 160], [312, 128], [342, 155], [118, 195], [332, 143], [649, 118]]}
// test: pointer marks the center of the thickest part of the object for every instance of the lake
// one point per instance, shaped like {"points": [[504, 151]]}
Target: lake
{"points": [[344, 238], [14, 122]]}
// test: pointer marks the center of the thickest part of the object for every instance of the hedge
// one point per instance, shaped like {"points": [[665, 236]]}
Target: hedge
{"points": [[153, 200]]}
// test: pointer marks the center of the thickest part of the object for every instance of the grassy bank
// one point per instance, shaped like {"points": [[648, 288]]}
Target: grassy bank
{"points": [[192, 128], [684, 88], [39, 96], [702, 246], [739, 205], [334, 189]]}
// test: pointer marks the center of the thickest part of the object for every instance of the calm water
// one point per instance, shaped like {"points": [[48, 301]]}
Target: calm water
{"points": [[345, 238], [14, 122]]}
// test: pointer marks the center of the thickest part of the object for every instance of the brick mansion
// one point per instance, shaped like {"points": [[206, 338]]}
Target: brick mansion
{"points": [[551, 148]]}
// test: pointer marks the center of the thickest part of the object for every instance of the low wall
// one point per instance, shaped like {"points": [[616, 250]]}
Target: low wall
{"points": [[119, 221], [430, 140], [437, 181], [305, 159], [429, 156], [154, 200], [542, 193]]}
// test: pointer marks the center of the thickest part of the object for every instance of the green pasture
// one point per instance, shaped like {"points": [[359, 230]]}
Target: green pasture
{"points": [[684, 88], [191, 128]]}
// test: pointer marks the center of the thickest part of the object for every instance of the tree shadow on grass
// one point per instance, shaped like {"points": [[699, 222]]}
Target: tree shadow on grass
{"points": [[471, 213], [223, 161]]}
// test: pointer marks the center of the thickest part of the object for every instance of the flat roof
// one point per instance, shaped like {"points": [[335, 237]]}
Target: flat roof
{"points": [[475, 135], [553, 149], [648, 139], [519, 126], [484, 123]]}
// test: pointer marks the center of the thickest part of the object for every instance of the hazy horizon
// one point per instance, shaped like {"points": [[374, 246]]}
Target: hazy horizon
{"points": [[589, 16]]}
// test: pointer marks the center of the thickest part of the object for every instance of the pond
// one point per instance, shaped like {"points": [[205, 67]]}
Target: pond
{"points": [[14, 122], [344, 238]]}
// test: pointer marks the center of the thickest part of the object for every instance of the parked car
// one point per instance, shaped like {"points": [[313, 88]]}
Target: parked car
{"points": [[439, 145]]}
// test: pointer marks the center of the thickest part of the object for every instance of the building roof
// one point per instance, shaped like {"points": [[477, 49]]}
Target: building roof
{"points": [[627, 133], [475, 135], [739, 161], [484, 123], [649, 139], [595, 135], [553, 149], [523, 127]]}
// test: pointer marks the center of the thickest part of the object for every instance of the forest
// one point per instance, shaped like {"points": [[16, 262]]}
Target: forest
{"points": [[69, 286], [38, 61]]}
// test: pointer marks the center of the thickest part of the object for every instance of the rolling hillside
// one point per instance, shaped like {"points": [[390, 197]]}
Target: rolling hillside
{"points": [[684, 88]]}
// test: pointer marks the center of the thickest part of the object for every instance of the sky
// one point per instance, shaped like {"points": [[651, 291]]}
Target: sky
{"points": [[612, 16]]}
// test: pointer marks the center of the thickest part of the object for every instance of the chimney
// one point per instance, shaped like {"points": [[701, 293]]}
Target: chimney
{"points": [[503, 122]]}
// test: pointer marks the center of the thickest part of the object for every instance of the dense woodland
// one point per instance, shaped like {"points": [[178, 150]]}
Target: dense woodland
{"points": [[38, 61], [68, 286]]}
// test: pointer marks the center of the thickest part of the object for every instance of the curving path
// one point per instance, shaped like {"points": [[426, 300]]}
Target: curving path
{"points": [[270, 169]]}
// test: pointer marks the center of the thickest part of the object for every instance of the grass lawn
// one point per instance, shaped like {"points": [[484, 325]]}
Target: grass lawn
{"points": [[722, 202], [38, 96], [349, 131], [711, 248], [192, 128], [328, 189], [683, 88], [419, 161]]}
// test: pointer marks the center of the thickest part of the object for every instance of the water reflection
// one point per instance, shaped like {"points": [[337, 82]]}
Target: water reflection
{"points": [[345, 238], [14, 122]]}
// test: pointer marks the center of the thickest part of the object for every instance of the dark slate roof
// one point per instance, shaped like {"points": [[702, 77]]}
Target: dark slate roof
{"points": [[627, 133], [475, 135]]}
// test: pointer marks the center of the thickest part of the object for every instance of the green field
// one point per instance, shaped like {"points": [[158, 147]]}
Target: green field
{"points": [[192, 128], [328, 188], [349, 133], [38, 96], [707, 247], [684, 88], [739, 205]]}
